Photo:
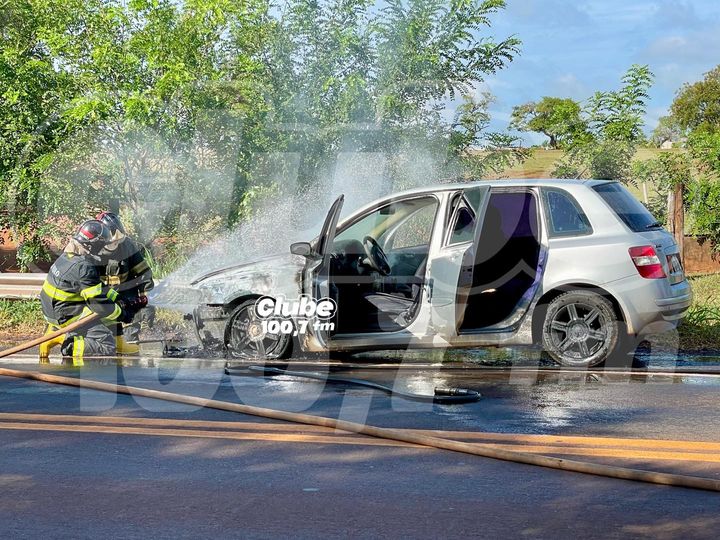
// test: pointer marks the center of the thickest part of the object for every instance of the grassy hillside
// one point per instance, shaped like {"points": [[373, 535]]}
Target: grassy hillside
{"points": [[542, 162]]}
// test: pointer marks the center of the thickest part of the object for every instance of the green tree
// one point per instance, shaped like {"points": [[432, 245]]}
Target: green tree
{"points": [[476, 151], [617, 115], [667, 130], [176, 108], [122, 100], [661, 174], [704, 207], [697, 105], [696, 109], [556, 118], [345, 75], [32, 95], [615, 121]]}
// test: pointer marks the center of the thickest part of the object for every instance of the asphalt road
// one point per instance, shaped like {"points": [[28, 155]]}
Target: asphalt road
{"points": [[85, 464]]}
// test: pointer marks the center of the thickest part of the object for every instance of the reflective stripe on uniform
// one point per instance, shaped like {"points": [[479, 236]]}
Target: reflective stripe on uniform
{"points": [[60, 295], [84, 313], [91, 292], [115, 314], [78, 350], [140, 267], [112, 294]]}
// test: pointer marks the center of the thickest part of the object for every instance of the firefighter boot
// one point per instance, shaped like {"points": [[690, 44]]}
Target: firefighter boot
{"points": [[46, 347], [123, 347]]}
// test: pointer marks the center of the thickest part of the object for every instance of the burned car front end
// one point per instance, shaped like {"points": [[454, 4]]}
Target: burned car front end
{"points": [[217, 294]]}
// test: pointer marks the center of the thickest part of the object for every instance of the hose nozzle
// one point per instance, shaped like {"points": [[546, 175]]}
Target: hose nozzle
{"points": [[455, 392]]}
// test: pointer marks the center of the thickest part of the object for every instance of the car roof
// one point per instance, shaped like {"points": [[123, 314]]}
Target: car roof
{"points": [[504, 182]]}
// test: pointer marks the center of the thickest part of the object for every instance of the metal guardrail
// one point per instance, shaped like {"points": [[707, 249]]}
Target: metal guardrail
{"points": [[22, 286], [19, 286]]}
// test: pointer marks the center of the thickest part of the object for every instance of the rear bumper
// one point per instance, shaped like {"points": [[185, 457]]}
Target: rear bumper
{"points": [[674, 308], [647, 302]]}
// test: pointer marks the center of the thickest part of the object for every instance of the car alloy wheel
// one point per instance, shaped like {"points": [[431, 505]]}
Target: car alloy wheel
{"points": [[580, 329], [245, 337]]}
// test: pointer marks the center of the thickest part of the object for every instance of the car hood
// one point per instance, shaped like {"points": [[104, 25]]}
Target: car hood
{"points": [[257, 265], [274, 276]]}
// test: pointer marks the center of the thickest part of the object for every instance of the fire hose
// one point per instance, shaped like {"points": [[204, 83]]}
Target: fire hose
{"points": [[442, 396], [47, 337], [597, 469]]}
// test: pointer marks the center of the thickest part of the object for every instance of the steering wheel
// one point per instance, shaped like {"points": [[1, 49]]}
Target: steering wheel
{"points": [[376, 258]]}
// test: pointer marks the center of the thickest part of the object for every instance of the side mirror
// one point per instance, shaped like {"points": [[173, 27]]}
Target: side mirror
{"points": [[304, 249]]}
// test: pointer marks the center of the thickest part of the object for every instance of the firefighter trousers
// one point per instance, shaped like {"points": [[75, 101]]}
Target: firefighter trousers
{"points": [[96, 340]]}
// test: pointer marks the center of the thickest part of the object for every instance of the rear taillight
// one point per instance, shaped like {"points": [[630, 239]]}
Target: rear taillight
{"points": [[647, 262]]}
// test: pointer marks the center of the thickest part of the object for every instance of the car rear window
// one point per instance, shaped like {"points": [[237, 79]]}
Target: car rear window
{"points": [[566, 217], [631, 211]]}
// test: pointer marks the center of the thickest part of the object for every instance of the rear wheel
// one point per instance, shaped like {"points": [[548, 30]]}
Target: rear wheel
{"points": [[580, 329], [246, 339]]}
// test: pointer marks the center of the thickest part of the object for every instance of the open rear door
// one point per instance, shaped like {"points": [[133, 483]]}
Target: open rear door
{"points": [[316, 274], [451, 269]]}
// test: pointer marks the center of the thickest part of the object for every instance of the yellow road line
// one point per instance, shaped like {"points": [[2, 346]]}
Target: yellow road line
{"points": [[575, 440], [611, 452], [648, 449], [485, 437], [169, 422], [333, 438], [204, 434]]}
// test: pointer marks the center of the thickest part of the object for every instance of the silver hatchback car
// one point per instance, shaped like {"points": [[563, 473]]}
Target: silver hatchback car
{"points": [[578, 267]]}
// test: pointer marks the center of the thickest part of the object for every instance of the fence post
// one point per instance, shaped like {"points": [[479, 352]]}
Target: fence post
{"points": [[676, 216]]}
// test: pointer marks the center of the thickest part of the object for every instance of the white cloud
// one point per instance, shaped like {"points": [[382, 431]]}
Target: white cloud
{"points": [[694, 47]]}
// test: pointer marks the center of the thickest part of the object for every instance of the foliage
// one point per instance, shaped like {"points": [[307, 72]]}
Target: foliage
{"points": [[697, 105], [614, 120], [704, 194], [696, 109], [704, 145], [21, 316], [661, 174], [557, 118], [703, 314], [617, 115], [469, 131], [667, 130], [178, 110], [346, 78], [597, 158], [32, 92], [701, 327]]}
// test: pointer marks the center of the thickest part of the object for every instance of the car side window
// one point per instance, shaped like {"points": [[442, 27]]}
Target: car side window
{"points": [[415, 230], [398, 224], [565, 215], [462, 222]]}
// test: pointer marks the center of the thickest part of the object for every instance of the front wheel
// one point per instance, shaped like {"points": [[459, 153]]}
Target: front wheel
{"points": [[580, 329], [246, 339]]}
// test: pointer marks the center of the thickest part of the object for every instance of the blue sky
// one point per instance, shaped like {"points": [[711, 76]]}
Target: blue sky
{"points": [[571, 49]]}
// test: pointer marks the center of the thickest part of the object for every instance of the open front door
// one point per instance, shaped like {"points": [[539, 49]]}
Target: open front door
{"points": [[316, 275], [451, 269]]}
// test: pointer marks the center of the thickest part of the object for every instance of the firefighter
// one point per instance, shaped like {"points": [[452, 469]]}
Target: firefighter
{"points": [[73, 290], [127, 271]]}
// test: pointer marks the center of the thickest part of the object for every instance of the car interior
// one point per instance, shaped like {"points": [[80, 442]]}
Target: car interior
{"points": [[378, 266], [507, 259], [378, 262]]}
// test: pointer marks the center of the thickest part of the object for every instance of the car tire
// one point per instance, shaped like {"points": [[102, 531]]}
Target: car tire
{"points": [[580, 329], [245, 340]]}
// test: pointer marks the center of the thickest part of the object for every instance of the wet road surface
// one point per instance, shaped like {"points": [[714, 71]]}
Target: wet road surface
{"points": [[79, 463]]}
